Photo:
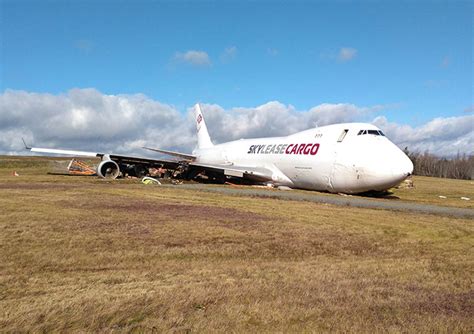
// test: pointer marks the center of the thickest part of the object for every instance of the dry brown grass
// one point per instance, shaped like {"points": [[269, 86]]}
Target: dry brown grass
{"points": [[81, 254], [428, 189]]}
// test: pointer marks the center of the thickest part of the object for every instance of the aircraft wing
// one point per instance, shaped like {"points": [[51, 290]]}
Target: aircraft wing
{"points": [[259, 174], [115, 157], [65, 152]]}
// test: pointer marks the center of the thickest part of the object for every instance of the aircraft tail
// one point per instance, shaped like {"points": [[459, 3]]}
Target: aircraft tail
{"points": [[204, 141]]}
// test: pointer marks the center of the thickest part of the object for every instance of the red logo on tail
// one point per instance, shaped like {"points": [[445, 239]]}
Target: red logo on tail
{"points": [[199, 118]]}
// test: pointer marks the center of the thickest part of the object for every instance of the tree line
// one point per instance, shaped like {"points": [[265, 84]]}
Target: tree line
{"points": [[426, 164]]}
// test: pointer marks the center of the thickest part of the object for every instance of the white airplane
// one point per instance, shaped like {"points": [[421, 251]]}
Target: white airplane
{"points": [[340, 158]]}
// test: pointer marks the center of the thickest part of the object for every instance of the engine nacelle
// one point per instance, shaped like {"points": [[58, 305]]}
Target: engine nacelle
{"points": [[108, 169]]}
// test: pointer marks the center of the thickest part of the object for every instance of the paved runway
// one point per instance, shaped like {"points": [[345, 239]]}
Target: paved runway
{"points": [[352, 201]]}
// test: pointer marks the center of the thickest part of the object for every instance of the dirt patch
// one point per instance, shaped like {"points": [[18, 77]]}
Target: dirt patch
{"points": [[141, 219], [177, 211]]}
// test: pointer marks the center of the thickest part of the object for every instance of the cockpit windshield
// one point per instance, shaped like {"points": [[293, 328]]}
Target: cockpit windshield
{"points": [[371, 132]]}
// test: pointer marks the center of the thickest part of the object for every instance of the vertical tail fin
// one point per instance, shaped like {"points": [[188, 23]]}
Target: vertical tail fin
{"points": [[204, 141]]}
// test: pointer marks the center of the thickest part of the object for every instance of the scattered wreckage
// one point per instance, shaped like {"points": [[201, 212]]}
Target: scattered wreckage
{"points": [[174, 170]]}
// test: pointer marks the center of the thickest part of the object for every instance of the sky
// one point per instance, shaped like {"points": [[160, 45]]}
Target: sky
{"points": [[117, 74]]}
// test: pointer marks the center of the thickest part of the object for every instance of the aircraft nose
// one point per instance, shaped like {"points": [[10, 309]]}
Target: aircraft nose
{"points": [[404, 166], [386, 166], [396, 164]]}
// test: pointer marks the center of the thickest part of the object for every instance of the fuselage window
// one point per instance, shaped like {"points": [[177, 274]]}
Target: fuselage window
{"points": [[374, 132]]}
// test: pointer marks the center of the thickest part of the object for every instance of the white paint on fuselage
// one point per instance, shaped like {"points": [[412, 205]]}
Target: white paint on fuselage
{"points": [[357, 164]]}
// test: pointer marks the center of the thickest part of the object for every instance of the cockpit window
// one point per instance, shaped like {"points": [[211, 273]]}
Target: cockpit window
{"points": [[342, 135], [371, 132]]}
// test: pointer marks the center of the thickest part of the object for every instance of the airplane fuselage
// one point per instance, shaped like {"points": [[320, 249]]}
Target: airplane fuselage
{"points": [[349, 158]]}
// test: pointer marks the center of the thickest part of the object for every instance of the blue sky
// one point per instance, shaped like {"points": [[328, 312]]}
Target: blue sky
{"points": [[414, 58]]}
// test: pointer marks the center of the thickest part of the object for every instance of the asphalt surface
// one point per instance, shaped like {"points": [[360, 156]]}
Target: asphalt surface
{"points": [[350, 201]]}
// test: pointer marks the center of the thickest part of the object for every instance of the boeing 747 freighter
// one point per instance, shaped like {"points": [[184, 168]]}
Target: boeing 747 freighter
{"points": [[340, 158]]}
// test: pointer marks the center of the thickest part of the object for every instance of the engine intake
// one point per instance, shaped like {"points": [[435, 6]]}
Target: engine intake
{"points": [[108, 169]]}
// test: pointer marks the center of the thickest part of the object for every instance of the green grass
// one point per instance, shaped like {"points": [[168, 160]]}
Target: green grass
{"points": [[84, 254]]}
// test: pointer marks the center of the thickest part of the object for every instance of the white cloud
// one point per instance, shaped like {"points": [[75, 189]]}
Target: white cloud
{"points": [[86, 119], [440, 136], [193, 57], [229, 54], [327, 113], [346, 54]]}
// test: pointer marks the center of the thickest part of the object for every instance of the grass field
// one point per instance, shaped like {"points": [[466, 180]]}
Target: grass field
{"points": [[85, 254]]}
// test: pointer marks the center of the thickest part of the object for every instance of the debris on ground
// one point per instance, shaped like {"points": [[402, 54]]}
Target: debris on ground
{"points": [[78, 167], [15, 173], [261, 186], [150, 180], [407, 184], [441, 196], [176, 182], [465, 198], [157, 172]]}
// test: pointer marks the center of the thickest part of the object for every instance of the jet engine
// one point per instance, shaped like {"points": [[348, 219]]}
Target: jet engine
{"points": [[108, 169]]}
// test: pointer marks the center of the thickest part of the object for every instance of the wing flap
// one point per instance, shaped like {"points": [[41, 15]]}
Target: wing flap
{"points": [[254, 173]]}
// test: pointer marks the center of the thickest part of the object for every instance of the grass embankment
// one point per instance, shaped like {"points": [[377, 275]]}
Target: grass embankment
{"points": [[78, 253]]}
